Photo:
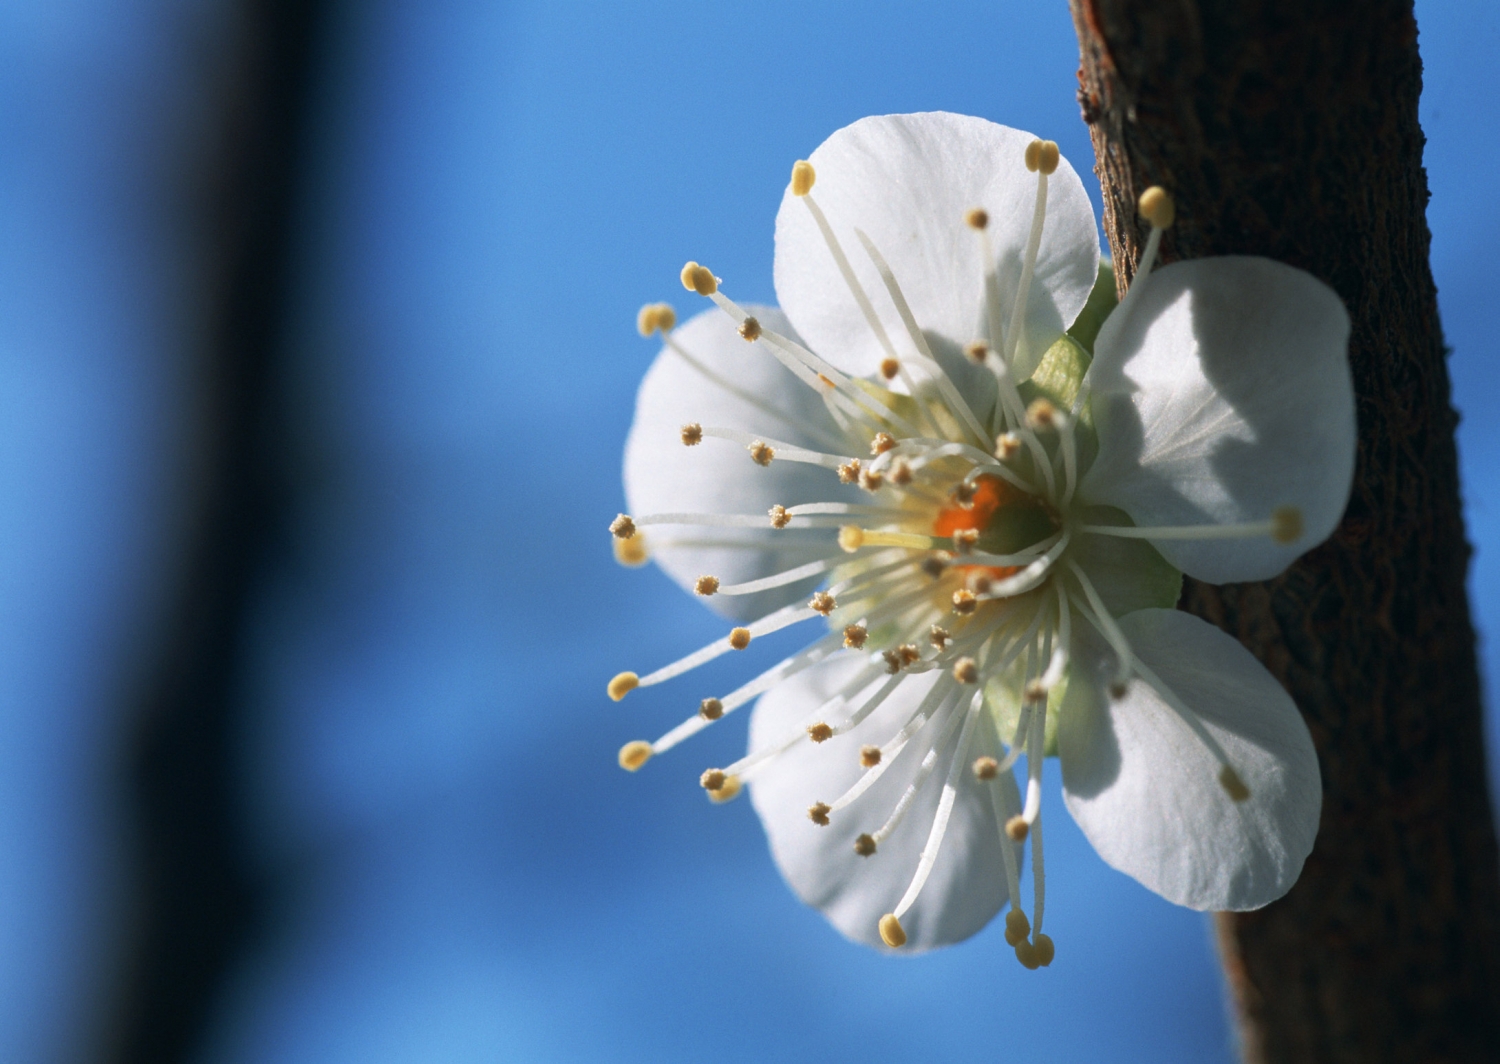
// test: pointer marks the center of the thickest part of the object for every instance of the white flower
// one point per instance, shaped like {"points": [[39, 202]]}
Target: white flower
{"points": [[997, 526]]}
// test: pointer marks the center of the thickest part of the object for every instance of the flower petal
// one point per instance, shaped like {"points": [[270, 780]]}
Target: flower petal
{"points": [[1146, 791], [716, 476], [967, 885], [1224, 394], [907, 181]]}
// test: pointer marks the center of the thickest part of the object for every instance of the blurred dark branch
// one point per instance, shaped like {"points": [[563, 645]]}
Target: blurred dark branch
{"points": [[1288, 128], [198, 899]]}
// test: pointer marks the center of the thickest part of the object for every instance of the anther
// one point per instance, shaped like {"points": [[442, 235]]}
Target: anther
{"points": [[749, 330], [1007, 446], [818, 813], [1027, 954], [882, 442], [728, 792], [623, 684], [1157, 207], [892, 661], [635, 754], [977, 218], [1017, 829], [977, 351], [761, 452], [964, 493], [823, 603], [699, 279], [849, 471], [1017, 927], [871, 481], [986, 768], [1286, 524], [901, 472], [889, 368], [632, 552], [706, 585], [869, 756], [890, 931], [651, 316], [1233, 786], [910, 655], [779, 517], [819, 732], [964, 601], [979, 582], [622, 527], [1118, 689], [855, 636], [1035, 691], [865, 846], [1033, 156], [939, 636], [739, 638], [692, 434], [851, 538], [803, 176], [1042, 416], [1048, 157], [1045, 950], [713, 779], [934, 565], [964, 540], [710, 709], [966, 670]]}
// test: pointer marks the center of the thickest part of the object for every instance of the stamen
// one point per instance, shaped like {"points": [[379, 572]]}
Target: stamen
{"points": [[1007, 446], [986, 768], [655, 317], [622, 685], [977, 218], [891, 932], [761, 452], [635, 754], [819, 732], [779, 516], [706, 585], [935, 702], [803, 176], [977, 351], [791, 576], [749, 330], [882, 442], [869, 756], [849, 471], [1157, 207], [889, 368], [855, 636], [901, 472], [823, 603], [965, 602], [622, 527], [1285, 526], [871, 481], [726, 793], [939, 637], [631, 552], [865, 845], [966, 670], [818, 814], [711, 709], [699, 279], [1017, 927], [713, 779], [692, 434], [739, 638]]}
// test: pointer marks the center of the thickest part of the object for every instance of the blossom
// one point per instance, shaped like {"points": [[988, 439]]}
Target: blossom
{"points": [[989, 524]]}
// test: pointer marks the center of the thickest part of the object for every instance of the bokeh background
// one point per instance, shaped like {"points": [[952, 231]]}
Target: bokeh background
{"points": [[449, 865]]}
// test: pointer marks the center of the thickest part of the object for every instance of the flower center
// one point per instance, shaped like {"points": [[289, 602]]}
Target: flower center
{"points": [[1007, 519]]}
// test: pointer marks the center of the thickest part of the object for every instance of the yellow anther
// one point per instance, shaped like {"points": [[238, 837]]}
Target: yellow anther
{"points": [[889, 368], [1027, 954], [728, 792], [871, 481], [1286, 524], [966, 670], [803, 176], [739, 638], [865, 846], [1157, 207], [939, 636], [1048, 157], [622, 527], [779, 517], [819, 732], [761, 452], [710, 709], [1007, 446], [1233, 786], [851, 538], [849, 471], [978, 218], [823, 603], [699, 279], [666, 317], [818, 813], [882, 442], [706, 585], [634, 755], [632, 552], [1017, 829], [692, 434], [891, 932], [869, 756], [1033, 156], [901, 472], [855, 636], [892, 661], [1017, 927], [1042, 416], [1035, 691], [749, 329], [964, 540], [646, 319], [1045, 950], [1118, 689], [964, 601], [713, 779], [623, 684], [977, 351], [910, 655], [935, 565], [986, 768]]}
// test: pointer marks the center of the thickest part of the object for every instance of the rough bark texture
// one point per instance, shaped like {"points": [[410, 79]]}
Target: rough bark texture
{"points": [[1288, 128]]}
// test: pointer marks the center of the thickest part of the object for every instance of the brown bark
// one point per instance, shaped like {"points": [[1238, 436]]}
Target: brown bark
{"points": [[1288, 128]]}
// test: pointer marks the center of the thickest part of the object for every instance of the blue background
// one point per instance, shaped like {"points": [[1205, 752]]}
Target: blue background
{"points": [[497, 188]]}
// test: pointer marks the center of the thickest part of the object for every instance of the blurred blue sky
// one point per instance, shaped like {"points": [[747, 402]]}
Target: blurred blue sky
{"points": [[498, 188]]}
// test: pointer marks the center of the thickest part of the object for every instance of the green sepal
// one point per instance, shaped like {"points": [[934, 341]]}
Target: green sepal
{"points": [[1129, 574], [1102, 300], [1002, 694]]}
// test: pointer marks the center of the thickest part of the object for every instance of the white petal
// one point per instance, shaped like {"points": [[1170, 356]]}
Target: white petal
{"points": [[967, 885], [1225, 394], [717, 476], [907, 181], [1146, 791]]}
